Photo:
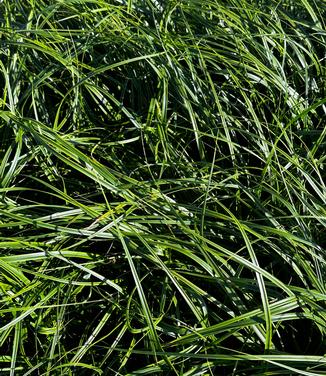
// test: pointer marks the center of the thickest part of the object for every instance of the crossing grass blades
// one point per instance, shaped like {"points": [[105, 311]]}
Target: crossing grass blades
{"points": [[162, 199]]}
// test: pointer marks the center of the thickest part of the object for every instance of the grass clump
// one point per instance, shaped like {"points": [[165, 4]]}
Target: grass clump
{"points": [[162, 205]]}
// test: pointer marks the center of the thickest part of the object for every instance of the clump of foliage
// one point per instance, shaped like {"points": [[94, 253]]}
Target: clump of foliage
{"points": [[162, 199]]}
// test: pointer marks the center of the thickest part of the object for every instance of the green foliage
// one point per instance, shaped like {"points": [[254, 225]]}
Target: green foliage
{"points": [[162, 198]]}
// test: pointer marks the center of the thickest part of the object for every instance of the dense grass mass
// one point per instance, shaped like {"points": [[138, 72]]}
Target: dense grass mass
{"points": [[162, 199]]}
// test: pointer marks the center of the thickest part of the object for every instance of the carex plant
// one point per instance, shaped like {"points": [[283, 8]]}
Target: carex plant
{"points": [[162, 199]]}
